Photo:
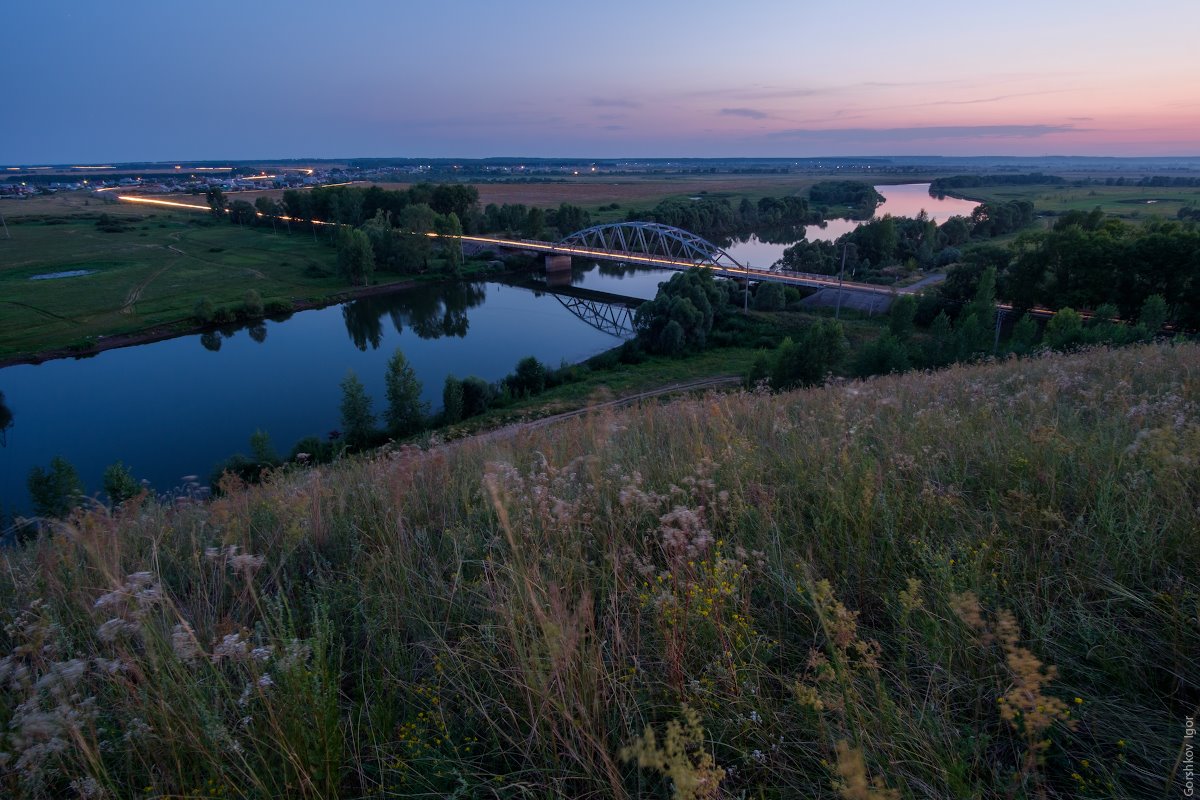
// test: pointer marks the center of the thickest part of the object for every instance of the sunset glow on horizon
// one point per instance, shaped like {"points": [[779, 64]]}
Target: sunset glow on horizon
{"points": [[623, 80]]}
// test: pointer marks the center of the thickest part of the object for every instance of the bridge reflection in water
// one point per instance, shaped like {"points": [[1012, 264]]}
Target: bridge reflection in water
{"points": [[611, 318]]}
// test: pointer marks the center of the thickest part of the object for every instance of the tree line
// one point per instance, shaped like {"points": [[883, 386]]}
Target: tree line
{"points": [[940, 187], [885, 249]]}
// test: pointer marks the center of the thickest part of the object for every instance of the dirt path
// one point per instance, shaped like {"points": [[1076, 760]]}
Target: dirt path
{"points": [[509, 431], [135, 293]]}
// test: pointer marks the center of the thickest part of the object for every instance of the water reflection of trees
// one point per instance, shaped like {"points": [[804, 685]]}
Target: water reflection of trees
{"points": [[783, 234], [431, 312]]}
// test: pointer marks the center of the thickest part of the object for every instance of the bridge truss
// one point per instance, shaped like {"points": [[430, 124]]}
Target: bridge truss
{"points": [[653, 239]]}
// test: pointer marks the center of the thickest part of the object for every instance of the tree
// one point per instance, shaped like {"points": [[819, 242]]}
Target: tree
{"points": [[682, 313], [1065, 329], [535, 222], [119, 483], [983, 305], [204, 310], [55, 491], [358, 422], [940, 350], [769, 297], [1154, 314], [449, 227], [902, 317], [529, 378], [885, 355], [414, 246], [970, 337], [356, 259], [1024, 335], [806, 361], [216, 202], [242, 213], [268, 208], [452, 400], [252, 304], [262, 450], [405, 413], [476, 396]]}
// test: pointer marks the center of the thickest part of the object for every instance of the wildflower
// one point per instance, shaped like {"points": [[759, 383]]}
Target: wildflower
{"points": [[232, 646], [114, 629], [246, 564], [262, 653], [183, 642]]}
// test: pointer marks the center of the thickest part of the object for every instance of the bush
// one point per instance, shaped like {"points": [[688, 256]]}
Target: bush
{"points": [[204, 311], [252, 304], [529, 379], [817, 352], [885, 355], [1065, 329], [769, 297], [477, 396], [56, 490], [119, 484], [452, 400]]}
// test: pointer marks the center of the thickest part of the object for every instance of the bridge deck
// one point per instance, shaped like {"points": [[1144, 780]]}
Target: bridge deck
{"points": [[663, 262]]}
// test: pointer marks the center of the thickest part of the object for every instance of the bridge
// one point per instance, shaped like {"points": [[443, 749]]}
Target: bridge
{"points": [[652, 244], [648, 244]]}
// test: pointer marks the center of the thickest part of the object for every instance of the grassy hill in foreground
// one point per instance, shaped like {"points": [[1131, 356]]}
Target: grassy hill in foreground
{"points": [[974, 583]]}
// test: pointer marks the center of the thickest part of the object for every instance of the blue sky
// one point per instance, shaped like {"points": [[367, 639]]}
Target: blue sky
{"points": [[155, 80]]}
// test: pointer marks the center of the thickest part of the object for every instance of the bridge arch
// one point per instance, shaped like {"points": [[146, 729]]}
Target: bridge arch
{"points": [[653, 238]]}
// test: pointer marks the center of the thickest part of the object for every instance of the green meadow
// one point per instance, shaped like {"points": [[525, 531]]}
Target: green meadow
{"points": [[149, 274]]}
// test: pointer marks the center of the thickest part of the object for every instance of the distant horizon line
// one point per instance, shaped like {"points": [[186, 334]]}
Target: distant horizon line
{"points": [[516, 158]]}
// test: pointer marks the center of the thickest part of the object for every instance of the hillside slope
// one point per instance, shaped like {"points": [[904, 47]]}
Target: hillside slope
{"points": [[974, 583]]}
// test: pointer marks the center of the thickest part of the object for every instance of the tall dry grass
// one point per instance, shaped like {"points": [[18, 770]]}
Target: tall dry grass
{"points": [[974, 583]]}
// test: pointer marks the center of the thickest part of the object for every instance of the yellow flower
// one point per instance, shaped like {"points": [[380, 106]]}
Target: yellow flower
{"points": [[1078, 701]]}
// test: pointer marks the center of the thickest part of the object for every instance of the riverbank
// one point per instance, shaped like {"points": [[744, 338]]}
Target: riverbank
{"points": [[182, 328], [144, 275]]}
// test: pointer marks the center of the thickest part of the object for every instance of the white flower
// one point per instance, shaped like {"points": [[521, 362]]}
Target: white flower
{"points": [[183, 641]]}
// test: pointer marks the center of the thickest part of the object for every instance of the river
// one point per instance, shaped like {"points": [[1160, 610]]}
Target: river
{"points": [[179, 407], [900, 200]]}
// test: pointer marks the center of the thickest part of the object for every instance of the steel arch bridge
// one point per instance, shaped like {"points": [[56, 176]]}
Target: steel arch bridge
{"points": [[652, 239]]}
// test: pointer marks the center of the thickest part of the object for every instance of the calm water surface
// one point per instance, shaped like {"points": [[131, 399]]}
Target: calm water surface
{"points": [[904, 200], [176, 407]]}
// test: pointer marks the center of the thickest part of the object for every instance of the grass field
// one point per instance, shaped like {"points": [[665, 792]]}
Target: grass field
{"points": [[151, 274], [966, 584], [75, 203], [1126, 202], [627, 192]]}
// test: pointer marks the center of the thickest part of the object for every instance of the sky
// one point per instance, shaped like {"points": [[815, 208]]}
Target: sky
{"points": [[158, 80]]}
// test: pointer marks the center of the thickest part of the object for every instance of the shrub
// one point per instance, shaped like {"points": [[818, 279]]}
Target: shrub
{"points": [[204, 311]]}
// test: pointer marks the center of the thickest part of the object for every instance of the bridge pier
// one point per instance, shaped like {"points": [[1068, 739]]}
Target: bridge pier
{"points": [[557, 263]]}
